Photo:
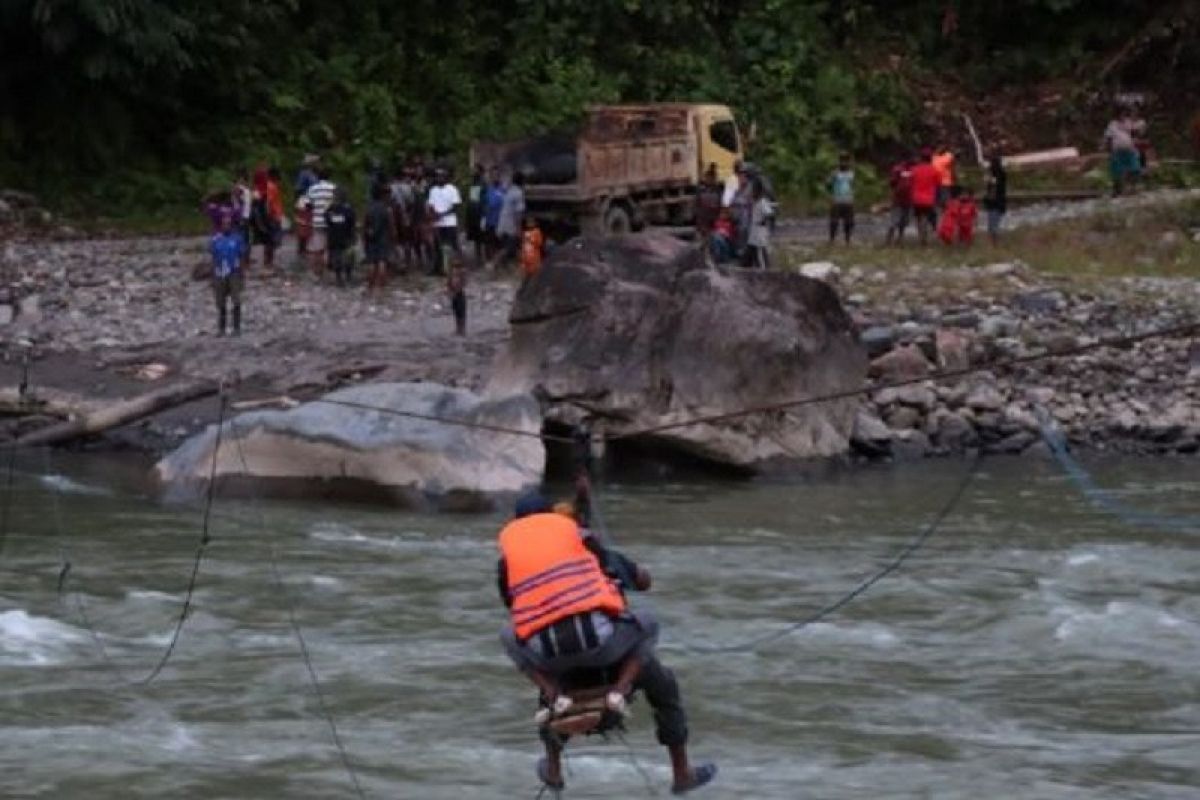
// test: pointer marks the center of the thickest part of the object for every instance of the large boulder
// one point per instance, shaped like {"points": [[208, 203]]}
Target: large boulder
{"points": [[638, 332], [348, 451]]}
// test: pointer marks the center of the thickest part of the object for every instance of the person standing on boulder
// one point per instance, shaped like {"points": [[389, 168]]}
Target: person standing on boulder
{"points": [[228, 250], [758, 242], [708, 206], [841, 199]]}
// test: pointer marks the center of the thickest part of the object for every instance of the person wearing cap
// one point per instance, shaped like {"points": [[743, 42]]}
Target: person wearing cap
{"points": [[565, 595]]}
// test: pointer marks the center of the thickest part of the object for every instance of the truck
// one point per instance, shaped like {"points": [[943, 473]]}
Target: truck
{"points": [[627, 166]]}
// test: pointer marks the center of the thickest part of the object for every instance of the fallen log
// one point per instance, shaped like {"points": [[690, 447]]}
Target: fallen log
{"points": [[1059, 156], [120, 413], [280, 401], [43, 400]]}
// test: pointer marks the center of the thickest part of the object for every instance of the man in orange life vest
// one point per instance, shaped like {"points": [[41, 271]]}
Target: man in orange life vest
{"points": [[568, 613]]}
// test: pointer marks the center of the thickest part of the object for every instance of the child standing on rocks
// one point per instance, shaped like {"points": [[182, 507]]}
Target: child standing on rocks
{"points": [[456, 288], [532, 242], [948, 225], [228, 248], [968, 211]]}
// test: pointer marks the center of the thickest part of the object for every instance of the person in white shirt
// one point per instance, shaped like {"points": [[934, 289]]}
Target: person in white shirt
{"points": [[444, 201]]}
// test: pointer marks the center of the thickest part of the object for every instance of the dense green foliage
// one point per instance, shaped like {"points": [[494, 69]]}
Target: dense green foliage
{"points": [[135, 103]]}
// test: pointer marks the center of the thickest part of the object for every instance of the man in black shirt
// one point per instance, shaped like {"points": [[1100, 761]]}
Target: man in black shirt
{"points": [[995, 196], [339, 223]]}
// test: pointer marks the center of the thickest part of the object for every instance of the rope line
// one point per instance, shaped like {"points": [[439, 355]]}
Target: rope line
{"points": [[784, 405], [631, 755], [205, 538], [891, 566], [298, 632], [1101, 498], [1003, 363], [462, 423], [10, 469], [64, 573]]}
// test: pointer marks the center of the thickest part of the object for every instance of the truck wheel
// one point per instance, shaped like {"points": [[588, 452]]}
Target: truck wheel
{"points": [[617, 221]]}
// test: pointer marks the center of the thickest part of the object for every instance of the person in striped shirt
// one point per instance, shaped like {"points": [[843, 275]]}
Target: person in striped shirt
{"points": [[319, 198]]}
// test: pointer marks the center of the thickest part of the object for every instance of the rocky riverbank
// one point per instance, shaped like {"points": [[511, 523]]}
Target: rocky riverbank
{"points": [[111, 318], [917, 322]]}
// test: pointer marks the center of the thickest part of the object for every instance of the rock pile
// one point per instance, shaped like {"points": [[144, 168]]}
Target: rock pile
{"points": [[925, 321]]}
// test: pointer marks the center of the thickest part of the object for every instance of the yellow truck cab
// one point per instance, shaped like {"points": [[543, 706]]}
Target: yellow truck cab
{"points": [[627, 166]]}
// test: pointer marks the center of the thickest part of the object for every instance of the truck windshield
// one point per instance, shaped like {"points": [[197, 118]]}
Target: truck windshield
{"points": [[724, 134]]}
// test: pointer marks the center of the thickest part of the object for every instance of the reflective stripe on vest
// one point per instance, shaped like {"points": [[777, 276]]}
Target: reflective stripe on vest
{"points": [[551, 574]]}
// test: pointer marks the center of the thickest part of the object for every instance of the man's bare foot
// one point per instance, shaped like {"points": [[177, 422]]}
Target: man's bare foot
{"points": [[694, 778], [549, 771]]}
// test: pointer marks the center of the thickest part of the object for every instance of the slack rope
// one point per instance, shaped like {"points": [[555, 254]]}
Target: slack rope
{"points": [[6, 506], [1002, 363], [1100, 498], [1125, 340], [298, 632], [201, 546]]}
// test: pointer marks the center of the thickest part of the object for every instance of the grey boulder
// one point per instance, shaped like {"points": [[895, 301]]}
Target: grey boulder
{"points": [[336, 447], [639, 332]]}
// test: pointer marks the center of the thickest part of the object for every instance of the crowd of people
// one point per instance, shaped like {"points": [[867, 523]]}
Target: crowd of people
{"points": [[1128, 147], [415, 219], [925, 190], [410, 223], [734, 219]]}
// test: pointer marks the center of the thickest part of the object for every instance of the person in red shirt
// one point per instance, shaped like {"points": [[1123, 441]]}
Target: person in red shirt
{"points": [[943, 162], [947, 229], [925, 182], [900, 182], [967, 212]]}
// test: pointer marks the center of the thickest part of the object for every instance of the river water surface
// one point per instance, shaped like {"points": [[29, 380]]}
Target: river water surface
{"points": [[1034, 648]]}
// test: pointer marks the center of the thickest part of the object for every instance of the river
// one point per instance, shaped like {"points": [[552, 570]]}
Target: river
{"points": [[1034, 648]]}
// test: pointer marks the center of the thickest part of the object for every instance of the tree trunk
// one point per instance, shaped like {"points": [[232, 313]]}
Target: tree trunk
{"points": [[120, 413]]}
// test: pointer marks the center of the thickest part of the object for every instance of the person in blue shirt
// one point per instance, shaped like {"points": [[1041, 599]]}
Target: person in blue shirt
{"points": [[493, 201], [228, 248], [841, 199]]}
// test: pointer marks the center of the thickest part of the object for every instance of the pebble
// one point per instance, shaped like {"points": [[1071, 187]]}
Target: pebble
{"points": [[985, 398]]}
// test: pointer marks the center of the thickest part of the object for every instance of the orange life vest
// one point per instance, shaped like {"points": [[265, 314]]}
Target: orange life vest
{"points": [[551, 575]]}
